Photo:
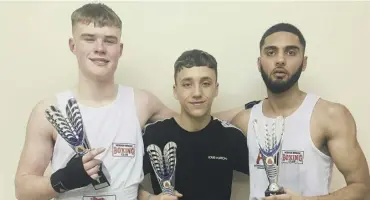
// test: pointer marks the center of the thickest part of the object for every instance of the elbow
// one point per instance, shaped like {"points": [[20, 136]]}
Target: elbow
{"points": [[367, 191], [18, 190]]}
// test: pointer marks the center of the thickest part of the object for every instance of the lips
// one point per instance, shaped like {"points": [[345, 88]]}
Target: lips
{"points": [[99, 61], [280, 73], [197, 103]]}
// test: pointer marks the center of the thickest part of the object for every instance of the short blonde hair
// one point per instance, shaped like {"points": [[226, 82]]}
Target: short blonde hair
{"points": [[97, 13]]}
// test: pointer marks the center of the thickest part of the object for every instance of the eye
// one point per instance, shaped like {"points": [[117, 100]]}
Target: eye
{"points": [[206, 84], [291, 52], [270, 52], [89, 39], [110, 41], [186, 85]]}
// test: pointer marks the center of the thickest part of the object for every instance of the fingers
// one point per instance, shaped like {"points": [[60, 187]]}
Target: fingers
{"points": [[91, 164], [278, 197], [91, 154], [177, 194], [170, 197], [273, 197], [93, 170], [284, 197], [167, 197]]}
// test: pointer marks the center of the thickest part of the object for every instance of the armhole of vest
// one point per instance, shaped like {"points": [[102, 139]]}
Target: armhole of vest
{"points": [[60, 97], [255, 111], [121, 89]]}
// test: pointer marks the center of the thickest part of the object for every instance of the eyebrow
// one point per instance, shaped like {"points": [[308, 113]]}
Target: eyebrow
{"points": [[287, 47], [87, 35], [92, 35], [201, 79]]}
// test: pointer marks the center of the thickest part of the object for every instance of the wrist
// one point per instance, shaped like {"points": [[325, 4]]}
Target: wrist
{"points": [[56, 181]]}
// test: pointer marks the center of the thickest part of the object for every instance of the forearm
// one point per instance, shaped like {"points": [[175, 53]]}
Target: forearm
{"points": [[31, 187], [143, 194], [355, 191]]}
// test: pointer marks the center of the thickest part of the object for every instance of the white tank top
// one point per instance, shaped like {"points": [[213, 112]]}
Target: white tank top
{"points": [[304, 169], [115, 127]]}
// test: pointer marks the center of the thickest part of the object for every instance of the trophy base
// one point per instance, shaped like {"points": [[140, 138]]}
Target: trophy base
{"points": [[103, 180], [270, 193]]}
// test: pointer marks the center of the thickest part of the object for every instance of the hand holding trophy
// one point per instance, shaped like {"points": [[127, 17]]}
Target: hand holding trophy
{"points": [[164, 165], [270, 144], [71, 129]]}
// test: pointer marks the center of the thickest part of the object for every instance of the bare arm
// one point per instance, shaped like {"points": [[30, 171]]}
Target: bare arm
{"points": [[158, 110], [143, 194], [347, 155], [241, 120], [30, 184], [228, 115], [150, 108]]}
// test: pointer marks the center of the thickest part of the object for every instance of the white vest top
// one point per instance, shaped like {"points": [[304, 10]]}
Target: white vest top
{"points": [[304, 169], [115, 127]]}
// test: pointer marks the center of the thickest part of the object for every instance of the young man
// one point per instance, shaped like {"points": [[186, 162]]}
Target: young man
{"points": [[113, 116], [318, 133], [208, 149]]}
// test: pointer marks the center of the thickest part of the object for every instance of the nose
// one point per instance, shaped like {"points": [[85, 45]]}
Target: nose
{"points": [[280, 62], [100, 47], [197, 92]]}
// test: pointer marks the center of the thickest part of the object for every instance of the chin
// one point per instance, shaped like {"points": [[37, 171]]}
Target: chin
{"points": [[197, 113], [101, 76]]}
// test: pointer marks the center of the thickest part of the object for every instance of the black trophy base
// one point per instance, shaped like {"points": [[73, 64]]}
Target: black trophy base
{"points": [[270, 193], [102, 181]]}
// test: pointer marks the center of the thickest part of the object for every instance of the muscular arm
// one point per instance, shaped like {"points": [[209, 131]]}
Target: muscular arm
{"points": [[346, 153], [143, 194], [241, 120], [228, 115], [150, 108], [30, 184], [158, 110]]}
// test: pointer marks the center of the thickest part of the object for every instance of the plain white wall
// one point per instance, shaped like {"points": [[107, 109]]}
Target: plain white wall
{"points": [[36, 62]]}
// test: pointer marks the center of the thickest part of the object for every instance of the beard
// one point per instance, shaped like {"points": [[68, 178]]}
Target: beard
{"points": [[280, 86]]}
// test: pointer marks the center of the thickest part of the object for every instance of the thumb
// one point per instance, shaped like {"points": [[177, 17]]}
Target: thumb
{"points": [[177, 194], [91, 154]]}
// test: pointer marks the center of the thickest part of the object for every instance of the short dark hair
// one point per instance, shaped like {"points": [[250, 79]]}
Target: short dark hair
{"points": [[283, 27], [195, 58]]}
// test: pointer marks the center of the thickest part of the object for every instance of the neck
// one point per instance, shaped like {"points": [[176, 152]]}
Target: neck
{"points": [[95, 93], [284, 103], [192, 124]]}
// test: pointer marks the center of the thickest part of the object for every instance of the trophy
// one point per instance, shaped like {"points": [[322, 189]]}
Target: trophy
{"points": [[164, 166], [72, 130], [270, 143]]}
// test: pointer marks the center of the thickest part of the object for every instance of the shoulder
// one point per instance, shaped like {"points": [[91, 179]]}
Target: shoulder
{"points": [[157, 131], [332, 115], [37, 121], [42, 105], [331, 110], [158, 126], [142, 97]]}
